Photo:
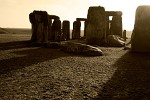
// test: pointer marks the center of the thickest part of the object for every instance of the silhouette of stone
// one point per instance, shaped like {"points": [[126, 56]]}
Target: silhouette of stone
{"points": [[56, 30], [107, 25], [54, 17], [124, 35], [116, 26], [95, 28], [79, 48], [33, 27], [141, 34], [82, 19], [115, 41], [51, 35], [39, 21], [49, 27], [65, 30], [113, 13], [76, 30]]}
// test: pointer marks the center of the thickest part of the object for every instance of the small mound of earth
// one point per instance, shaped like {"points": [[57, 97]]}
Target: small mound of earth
{"points": [[3, 31]]}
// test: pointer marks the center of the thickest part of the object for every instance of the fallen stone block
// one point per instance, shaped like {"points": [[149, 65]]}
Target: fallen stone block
{"points": [[115, 41], [79, 48]]}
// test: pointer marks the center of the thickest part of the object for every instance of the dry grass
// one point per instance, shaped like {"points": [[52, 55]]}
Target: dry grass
{"points": [[36, 73]]}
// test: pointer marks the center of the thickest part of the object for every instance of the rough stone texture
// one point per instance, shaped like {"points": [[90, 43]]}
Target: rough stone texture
{"points": [[66, 30], [141, 35], [95, 28], [76, 30], [79, 48], [33, 26], [107, 25], [54, 17], [115, 41], [56, 30], [85, 24], [116, 26], [113, 13], [83, 19], [39, 21], [51, 34], [124, 35], [49, 28]]}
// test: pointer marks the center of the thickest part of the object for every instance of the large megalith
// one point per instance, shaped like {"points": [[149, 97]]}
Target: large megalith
{"points": [[56, 30], [116, 26], [51, 34], [141, 33], [65, 30], [76, 30], [39, 21], [95, 25]]}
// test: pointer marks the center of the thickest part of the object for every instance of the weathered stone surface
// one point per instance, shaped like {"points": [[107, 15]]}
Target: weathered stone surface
{"points": [[49, 28], [79, 48], [39, 21], [53, 45], [76, 30], [54, 17], [107, 25], [56, 30], [113, 13], [115, 41], [124, 35], [81, 19], [95, 28], [65, 30], [116, 26], [141, 35]]}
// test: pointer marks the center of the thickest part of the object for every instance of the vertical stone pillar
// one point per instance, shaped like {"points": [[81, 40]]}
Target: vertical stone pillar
{"points": [[107, 25], [66, 30], [56, 30], [33, 27], [96, 29], [141, 33], [50, 37], [85, 24], [116, 25], [76, 30], [124, 35], [39, 21]]}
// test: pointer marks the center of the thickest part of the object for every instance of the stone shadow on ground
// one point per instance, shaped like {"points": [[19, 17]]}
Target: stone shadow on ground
{"points": [[14, 45], [26, 56], [131, 81]]}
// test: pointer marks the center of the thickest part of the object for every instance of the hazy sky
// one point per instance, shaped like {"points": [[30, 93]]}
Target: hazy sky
{"points": [[15, 13]]}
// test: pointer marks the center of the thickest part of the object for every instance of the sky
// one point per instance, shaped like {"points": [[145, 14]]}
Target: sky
{"points": [[15, 13]]}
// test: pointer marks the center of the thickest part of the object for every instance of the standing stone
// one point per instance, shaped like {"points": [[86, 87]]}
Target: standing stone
{"points": [[107, 25], [95, 29], [39, 21], [124, 35], [33, 27], [56, 29], [66, 30], [141, 35], [85, 24], [50, 37], [52, 28], [76, 30], [116, 26]]}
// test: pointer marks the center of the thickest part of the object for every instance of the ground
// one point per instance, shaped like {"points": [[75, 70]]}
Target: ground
{"points": [[37, 73]]}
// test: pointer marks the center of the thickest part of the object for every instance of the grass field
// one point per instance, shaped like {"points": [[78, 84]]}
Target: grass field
{"points": [[37, 73]]}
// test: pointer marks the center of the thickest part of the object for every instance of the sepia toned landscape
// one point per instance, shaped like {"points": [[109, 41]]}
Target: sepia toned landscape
{"points": [[38, 73], [74, 50]]}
